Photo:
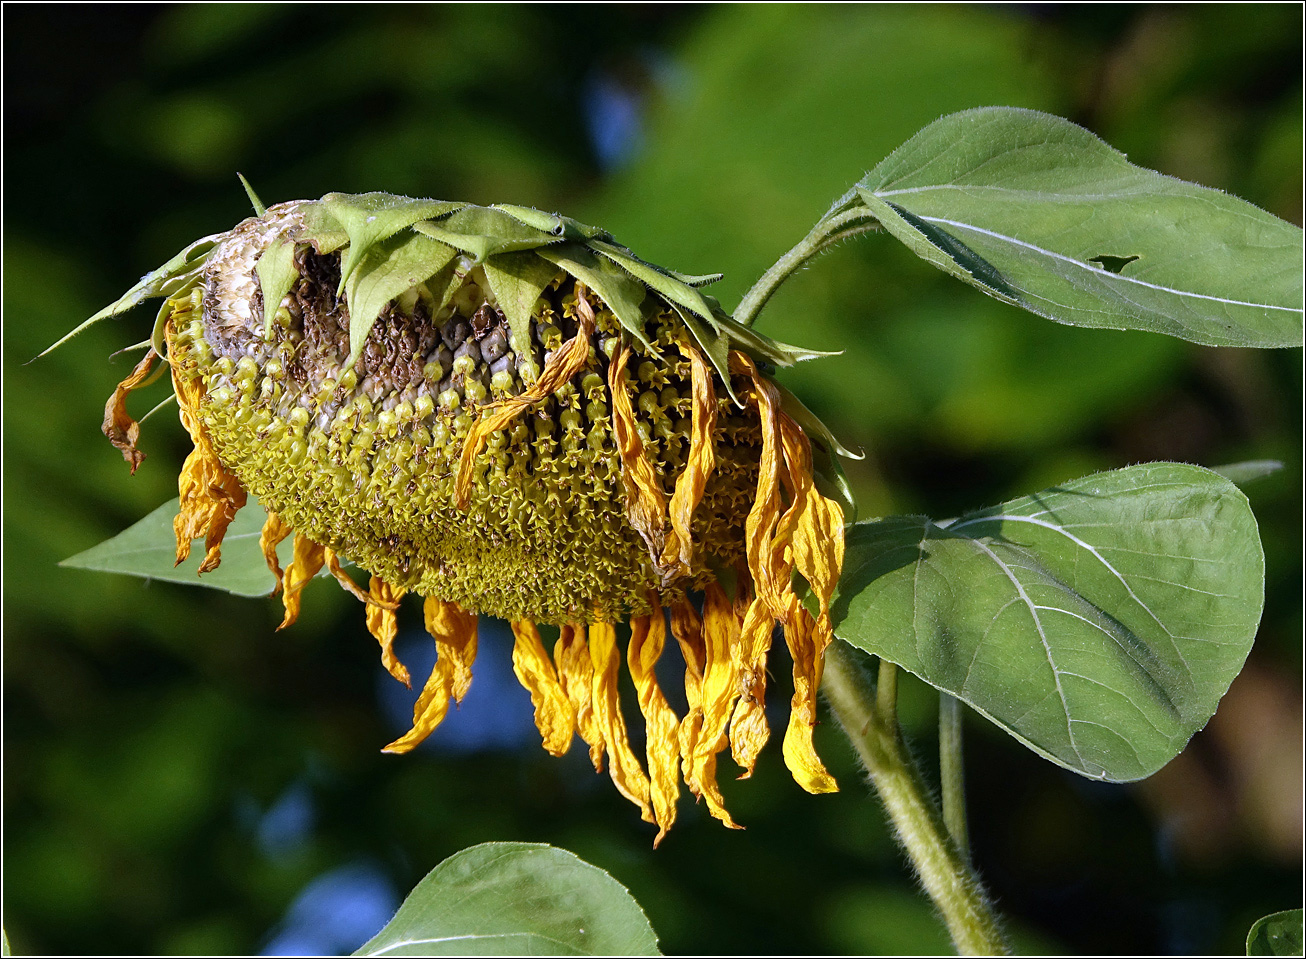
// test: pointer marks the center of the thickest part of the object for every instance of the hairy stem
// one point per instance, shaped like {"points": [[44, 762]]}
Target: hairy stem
{"points": [[952, 776], [943, 871], [832, 228]]}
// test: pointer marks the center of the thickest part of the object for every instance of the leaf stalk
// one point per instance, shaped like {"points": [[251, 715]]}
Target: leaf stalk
{"points": [[839, 224], [943, 870]]}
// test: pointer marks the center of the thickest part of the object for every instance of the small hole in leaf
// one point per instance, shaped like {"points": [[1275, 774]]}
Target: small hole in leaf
{"points": [[1112, 264]]}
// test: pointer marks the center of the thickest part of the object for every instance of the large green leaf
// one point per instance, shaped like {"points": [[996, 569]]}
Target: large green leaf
{"points": [[1278, 934], [1099, 622], [516, 898], [149, 548], [1039, 212]]}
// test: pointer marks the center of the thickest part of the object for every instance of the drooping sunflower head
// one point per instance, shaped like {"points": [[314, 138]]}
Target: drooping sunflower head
{"points": [[506, 412]]}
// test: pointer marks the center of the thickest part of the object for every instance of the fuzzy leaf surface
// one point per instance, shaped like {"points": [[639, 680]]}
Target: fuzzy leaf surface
{"points": [[516, 899], [1099, 622], [1278, 934], [1039, 212]]}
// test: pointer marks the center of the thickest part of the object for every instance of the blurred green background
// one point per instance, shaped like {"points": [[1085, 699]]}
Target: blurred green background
{"points": [[180, 779]]}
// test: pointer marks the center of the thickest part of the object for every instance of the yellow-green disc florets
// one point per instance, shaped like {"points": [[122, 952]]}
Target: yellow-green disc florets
{"points": [[363, 458]]}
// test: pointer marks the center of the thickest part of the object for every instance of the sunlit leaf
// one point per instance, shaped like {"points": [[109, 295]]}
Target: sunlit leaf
{"points": [[148, 548], [1039, 212], [1278, 934], [1099, 622], [515, 898]]}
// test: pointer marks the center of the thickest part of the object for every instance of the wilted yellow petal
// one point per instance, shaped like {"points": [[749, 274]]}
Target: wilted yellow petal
{"points": [[622, 765], [307, 562], [454, 632], [807, 643], [210, 495], [720, 689], [274, 531], [646, 503], [648, 635], [344, 579], [748, 727], [554, 716], [384, 625], [765, 562], [816, 522], [566, 363], [687, 627], [571, 654], [698, 467], [121, 429]]}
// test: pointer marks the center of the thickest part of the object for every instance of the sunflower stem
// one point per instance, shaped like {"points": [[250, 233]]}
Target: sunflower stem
{"points": [[832, 228], [943, 870], [952, 776]]}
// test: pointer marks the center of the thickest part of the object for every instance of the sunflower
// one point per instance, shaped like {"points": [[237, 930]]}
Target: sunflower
{"points": [[506, 412]]}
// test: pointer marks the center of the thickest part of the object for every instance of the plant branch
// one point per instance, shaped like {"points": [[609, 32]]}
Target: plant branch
{"points": [[943, 871], [952, 775], [832, 228]]}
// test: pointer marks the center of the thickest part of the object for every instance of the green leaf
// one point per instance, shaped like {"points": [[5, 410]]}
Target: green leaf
{"points": [[517, 280], [623, 294], [167, 279], [389, 268], [516, 898], [371, 217], [1037, 211], [1278, 934], [148, 548], [276, 275], [1099, 622]]}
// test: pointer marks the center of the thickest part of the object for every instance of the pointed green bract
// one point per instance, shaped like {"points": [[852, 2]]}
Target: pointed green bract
{"points": [[672, 289], [259, 208], [481, 232], [812, 425], [371, 217], [517, 280], [1039, 212], [773, 351], [320, 228], [389, 268], [181, 269], [623, 294], [562, 226], [276, 275]]}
